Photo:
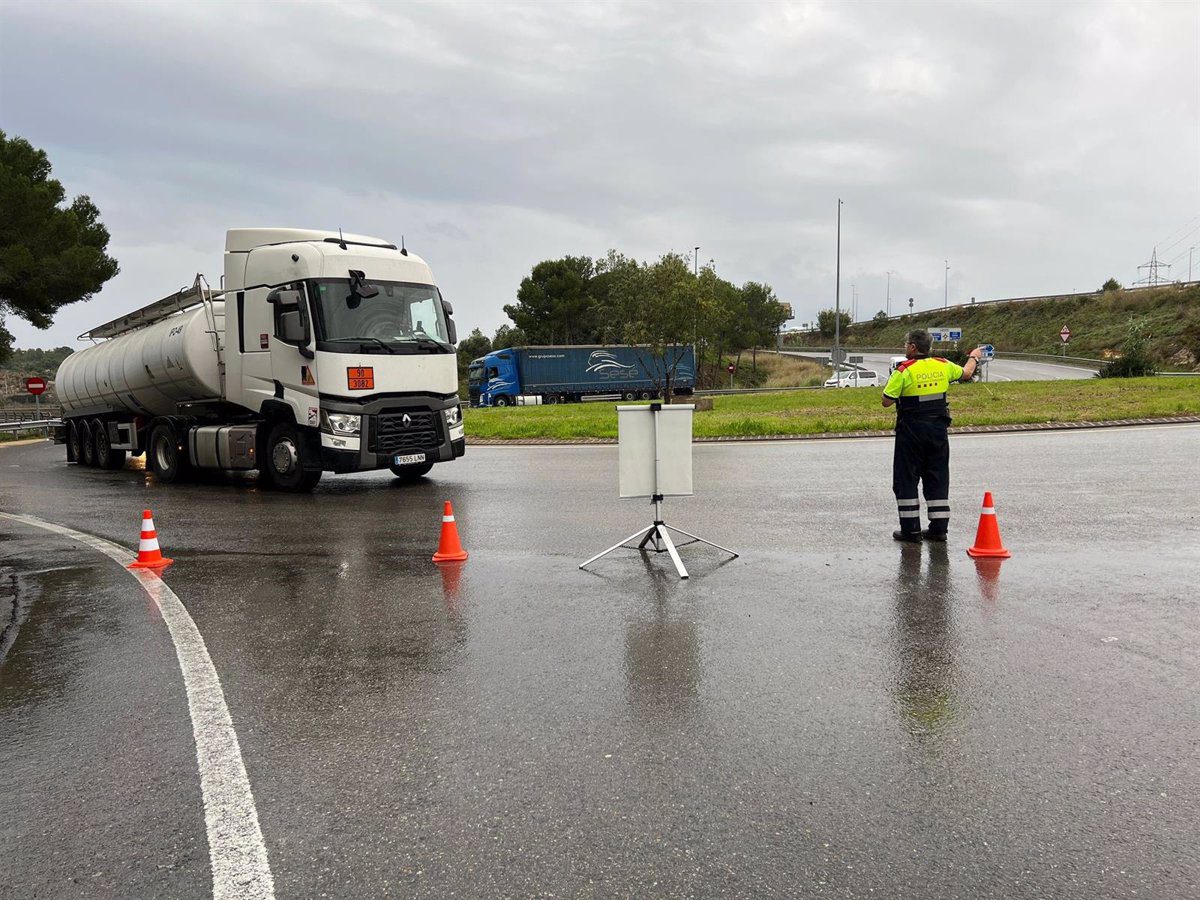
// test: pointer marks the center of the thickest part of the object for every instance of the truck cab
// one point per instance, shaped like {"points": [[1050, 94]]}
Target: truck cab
{"points": [[347, 343], [493, 380]]}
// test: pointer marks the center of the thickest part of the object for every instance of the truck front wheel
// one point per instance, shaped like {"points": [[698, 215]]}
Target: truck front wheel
{"points": [[284, 465], [502, 400], [167, 461], [106, 456]]}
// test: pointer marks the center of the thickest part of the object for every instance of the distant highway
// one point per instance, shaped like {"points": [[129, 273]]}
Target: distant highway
{"points": [[999, 369]]}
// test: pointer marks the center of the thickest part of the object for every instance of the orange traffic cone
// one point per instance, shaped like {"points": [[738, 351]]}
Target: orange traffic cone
{"points": [[149, 556], [449, 548], [987, 538]]}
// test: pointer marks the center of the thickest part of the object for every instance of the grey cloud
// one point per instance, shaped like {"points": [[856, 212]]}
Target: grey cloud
{"points": [[1005, 136]]}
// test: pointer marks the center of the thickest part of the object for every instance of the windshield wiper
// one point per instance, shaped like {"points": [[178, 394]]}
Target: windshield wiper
{"points": [[386, 346], [432, 343]]}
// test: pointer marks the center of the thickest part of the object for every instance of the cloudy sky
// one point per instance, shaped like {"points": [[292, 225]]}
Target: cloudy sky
{"points": [[1039, 147]]}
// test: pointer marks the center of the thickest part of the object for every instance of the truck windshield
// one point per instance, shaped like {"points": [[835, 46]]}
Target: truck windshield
{"points": [[401, 318], [475, 372]]}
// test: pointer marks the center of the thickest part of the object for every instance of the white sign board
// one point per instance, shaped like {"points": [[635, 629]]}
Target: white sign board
{"points": [[989, 352], [649, 464]]}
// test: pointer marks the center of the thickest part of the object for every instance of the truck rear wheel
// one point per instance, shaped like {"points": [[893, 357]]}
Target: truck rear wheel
{"points": [[284, 464], [411, 473], [167, 461], [106, 456], [74, 441], [87, 447]]}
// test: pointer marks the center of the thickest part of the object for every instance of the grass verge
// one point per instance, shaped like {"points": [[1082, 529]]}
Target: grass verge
{"points": [[858, 409]]}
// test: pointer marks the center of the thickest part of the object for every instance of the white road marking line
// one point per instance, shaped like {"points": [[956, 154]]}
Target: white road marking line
{"points": [[237, 854]]}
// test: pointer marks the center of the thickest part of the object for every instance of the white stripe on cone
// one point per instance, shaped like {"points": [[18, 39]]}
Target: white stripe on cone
{"points": [[988, 511], [447, 519]]}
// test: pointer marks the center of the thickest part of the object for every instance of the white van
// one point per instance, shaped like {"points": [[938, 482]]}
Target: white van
{"points": [[896, 360], [855, 378]]}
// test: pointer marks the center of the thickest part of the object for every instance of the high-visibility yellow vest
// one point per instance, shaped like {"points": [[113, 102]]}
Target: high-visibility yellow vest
{"points": [[919, 385]]}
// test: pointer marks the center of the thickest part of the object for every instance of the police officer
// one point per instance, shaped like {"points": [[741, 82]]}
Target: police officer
{"points": [[917, 388]]}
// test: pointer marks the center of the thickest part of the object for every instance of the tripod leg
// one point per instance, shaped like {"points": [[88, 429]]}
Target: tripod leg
{"points": [[700, 539], [634, 536], [666, 538]]}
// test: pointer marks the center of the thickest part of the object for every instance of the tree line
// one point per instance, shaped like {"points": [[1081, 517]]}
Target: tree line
{"points": [[618, 300]]}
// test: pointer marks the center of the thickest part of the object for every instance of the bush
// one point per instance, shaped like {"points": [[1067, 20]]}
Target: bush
{"points": [[1135, 360], [880, 318], [1111, 285]]}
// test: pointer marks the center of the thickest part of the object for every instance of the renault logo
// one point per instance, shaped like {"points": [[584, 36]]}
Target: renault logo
{"points": [[407, 420]]}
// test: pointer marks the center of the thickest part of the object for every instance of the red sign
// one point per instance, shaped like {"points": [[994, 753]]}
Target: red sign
{"points": [[1065, 334], [731, 368], [35, 386]]}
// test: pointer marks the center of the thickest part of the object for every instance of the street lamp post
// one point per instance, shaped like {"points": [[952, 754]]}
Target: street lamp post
{"points": [[889, 293], [837, 301], [946, 296], [1190, 249]]}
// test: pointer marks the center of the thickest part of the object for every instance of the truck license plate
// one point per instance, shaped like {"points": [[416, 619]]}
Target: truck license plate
{"points": [[410, 460]]}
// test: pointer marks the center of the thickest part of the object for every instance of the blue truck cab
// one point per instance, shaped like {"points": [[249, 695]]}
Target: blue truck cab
{"points": [[566, 374]]}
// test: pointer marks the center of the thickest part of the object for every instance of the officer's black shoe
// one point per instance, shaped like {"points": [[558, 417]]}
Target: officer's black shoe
{"points": [[939, 536], [909, 537]]}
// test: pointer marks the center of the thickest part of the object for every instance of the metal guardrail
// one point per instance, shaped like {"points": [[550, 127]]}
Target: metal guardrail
{"points": [[34, 425], [28, 413]]}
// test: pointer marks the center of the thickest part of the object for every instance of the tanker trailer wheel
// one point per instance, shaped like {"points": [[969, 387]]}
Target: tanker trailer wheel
{"points": [[87, 447], [75, 439], [411, 473], [628, 395], [106, 456], [167, 461], [284, 465], [646, 395]]}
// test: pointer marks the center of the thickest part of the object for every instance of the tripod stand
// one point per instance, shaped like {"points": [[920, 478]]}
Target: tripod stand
{"points": [[659, 536]]}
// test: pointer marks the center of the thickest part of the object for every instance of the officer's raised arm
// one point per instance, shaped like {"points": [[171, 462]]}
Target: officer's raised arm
{"points": [[973, 362]]}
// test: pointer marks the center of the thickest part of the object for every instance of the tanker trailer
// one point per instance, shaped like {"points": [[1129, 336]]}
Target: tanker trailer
{"points": [[323, 352]]}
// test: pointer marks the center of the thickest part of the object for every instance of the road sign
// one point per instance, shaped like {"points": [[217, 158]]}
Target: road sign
{"points": [[955, 334], [731, 368], [35, 386], [989, 352], [1065, 334], [855, 359], [837, 357]]}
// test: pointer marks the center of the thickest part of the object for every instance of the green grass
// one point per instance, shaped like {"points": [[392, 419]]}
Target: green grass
{"points": [[858, 409]]}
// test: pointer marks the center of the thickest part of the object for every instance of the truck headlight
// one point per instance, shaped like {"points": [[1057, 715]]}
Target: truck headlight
{"points": [[453, 416], [341, 423]]}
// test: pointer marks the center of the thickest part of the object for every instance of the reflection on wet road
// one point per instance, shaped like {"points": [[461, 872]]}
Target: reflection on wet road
{"points": [[829, 714]]}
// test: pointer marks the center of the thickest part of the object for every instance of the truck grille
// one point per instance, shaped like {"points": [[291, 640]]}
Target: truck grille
{"points": [[391, 435]]}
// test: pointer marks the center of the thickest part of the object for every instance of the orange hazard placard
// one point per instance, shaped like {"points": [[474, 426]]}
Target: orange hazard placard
{"points": [[360, 378]]}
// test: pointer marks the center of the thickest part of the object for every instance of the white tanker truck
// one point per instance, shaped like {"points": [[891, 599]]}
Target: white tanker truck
{"points": [[320, 353]]}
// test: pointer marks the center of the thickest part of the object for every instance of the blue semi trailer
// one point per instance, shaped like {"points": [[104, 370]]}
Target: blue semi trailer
{"points": [[568, 374]]}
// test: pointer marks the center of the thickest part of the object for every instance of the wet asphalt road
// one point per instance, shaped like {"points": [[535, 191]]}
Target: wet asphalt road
{"points": [[828, 715]]}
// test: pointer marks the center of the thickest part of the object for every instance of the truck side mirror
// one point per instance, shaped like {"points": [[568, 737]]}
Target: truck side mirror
{"points": [[291, 328], [451, 330]]}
